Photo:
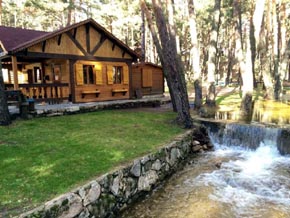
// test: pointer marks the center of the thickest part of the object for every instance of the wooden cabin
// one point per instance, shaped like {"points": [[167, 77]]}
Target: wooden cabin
{"points": [[147, 79], [80, 63]]}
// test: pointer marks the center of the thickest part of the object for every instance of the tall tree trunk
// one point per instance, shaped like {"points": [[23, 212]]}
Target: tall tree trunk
{"points": [[170, 61], [4, 112], [253, 48], [257, 19], [284, 63], [276, 51], [174, 39], [194, 56], [143, 35], [211, 68], [70, 11], [159, 51], [284, 43], [267, 64], [247, 77], [231, 55], [245, 62], [256, 24]]}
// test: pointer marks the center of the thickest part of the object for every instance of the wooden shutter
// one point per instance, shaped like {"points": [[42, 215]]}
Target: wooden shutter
{"points": [[126, 75], [110, 74], [99, 74], [146, 77], [79, 74]]}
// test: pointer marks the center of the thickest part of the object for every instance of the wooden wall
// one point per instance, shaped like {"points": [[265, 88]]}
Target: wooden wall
{"points": [[100, 84], [63, 44], [148, 78]]}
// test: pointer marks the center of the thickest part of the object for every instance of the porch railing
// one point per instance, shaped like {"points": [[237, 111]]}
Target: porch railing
{"points": [[48, 92]]}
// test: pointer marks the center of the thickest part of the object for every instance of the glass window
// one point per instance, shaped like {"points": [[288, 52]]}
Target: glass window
{"points": [[117, 75], [88, 73], [5, 75], [37, 75]]}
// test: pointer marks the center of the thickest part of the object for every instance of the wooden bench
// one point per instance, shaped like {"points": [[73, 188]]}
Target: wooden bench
{"points": [[96, 92], [15, 97], [123, 91]]}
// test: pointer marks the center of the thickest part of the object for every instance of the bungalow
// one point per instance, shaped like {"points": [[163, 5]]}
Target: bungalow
{"points": [[82, 62]]}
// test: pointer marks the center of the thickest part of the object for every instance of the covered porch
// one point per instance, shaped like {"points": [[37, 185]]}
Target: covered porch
{"points": [[43, 80]]}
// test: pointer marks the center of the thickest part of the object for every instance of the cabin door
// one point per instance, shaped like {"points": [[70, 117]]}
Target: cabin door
{"points": [[30, 76]]}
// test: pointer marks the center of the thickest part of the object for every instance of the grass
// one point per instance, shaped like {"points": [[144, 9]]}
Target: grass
{"points": [[42, 158], [273, 112], [265, 111], [232, 100]]}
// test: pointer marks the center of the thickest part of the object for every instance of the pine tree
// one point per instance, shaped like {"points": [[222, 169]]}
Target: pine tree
{"points": [[171, 62]]}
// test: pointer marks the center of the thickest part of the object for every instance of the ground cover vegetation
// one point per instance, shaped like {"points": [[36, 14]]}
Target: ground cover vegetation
{"points": [[42, 158]]}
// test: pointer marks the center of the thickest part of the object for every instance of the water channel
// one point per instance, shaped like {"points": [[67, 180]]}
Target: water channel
{"points": [[233, 181]]}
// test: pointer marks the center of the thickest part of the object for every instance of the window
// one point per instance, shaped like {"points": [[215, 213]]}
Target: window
{"points": [[6, 75], [37, 75], [88, 74], [117, 74]]}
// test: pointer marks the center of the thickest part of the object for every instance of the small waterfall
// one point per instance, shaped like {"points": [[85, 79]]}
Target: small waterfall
{"points": [[248, 136], [245, 176]]}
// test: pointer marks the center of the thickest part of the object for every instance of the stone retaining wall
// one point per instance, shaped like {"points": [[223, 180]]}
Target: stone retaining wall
{"points": [[108, 195]]}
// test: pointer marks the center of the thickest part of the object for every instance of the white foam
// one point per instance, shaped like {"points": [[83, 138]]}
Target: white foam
{"points": [[250, 179]]}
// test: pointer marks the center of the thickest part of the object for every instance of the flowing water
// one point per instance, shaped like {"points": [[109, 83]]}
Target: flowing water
{"points": [[232, 181]]}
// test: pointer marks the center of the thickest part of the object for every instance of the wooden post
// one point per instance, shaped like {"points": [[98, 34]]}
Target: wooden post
{"points": [[15, 72], [72, 80], [131, 91]]}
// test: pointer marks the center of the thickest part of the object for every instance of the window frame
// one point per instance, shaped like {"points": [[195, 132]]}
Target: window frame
{"points": [[88, 77], [118, 74]]}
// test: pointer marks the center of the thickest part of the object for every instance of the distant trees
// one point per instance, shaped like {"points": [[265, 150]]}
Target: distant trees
{"points": [[252, 44]]}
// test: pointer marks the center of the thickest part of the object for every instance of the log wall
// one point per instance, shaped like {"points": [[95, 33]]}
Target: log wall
{"points": [[140, 79]]}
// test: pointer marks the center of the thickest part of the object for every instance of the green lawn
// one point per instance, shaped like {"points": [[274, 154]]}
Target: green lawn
{"points": [[233, 99], [44, 157]]}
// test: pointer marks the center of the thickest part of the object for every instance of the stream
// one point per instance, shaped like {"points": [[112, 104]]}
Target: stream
{"points": [[232, 181]]}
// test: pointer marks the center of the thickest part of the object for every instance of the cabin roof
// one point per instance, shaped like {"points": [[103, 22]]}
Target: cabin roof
{"points": [[12, 37], [17, 39]]}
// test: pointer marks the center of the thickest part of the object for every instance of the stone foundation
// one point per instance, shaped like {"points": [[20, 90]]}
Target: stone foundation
{"points": [[111, 193], [67, 109]]}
